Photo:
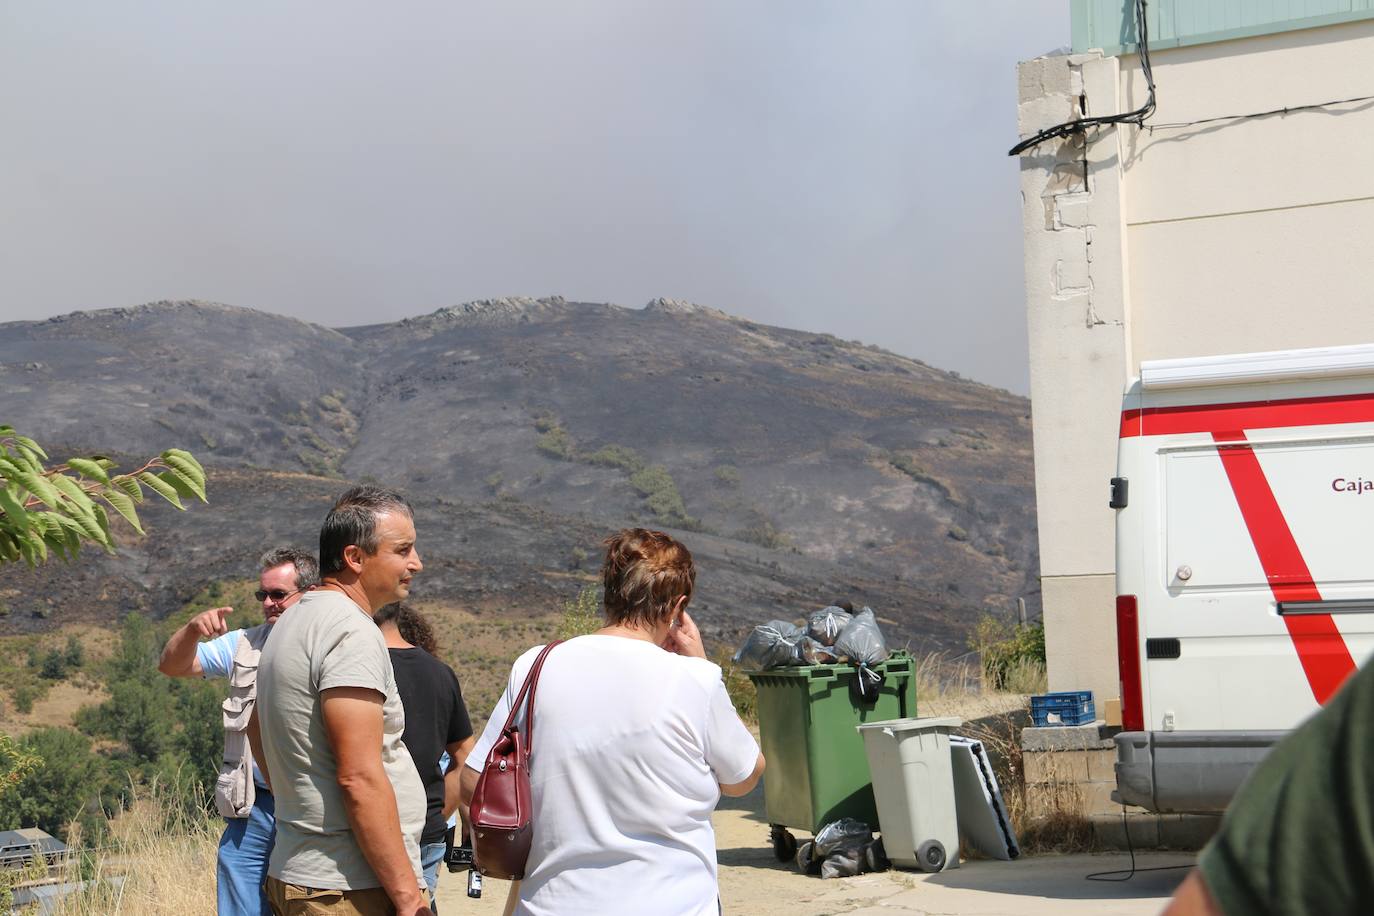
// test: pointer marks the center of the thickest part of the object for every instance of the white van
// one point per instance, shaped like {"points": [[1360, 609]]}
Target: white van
{"points": [[1244, 561]]}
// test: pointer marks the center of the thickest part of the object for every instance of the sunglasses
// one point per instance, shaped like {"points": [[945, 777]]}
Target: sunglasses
{"points": [[277, 595]]}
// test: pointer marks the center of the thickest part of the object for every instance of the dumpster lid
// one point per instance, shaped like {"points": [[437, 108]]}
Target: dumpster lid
{"points": [[914, 724]]}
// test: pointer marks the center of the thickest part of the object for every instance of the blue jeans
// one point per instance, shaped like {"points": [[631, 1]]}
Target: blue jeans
{"points": [[243, 853], [431, 854]]}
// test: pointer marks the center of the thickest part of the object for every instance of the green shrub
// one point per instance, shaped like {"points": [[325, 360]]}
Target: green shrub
{"points": [[765, 535], [727, 476], [617, 456], [72, 780], [910, 468], [742, 691], [1007, 650], [581, 615], [24, 697], [556, 443], [75, 656], [661, 495], [54, 666]]}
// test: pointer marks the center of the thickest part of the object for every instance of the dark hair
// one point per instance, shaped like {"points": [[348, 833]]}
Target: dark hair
{"points": [[353, 520], [413, 626], [644, 573], [844, 605], [307, 570]]}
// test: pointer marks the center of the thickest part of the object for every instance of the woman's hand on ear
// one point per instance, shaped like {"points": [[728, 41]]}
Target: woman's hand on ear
{"points": [[685, 638]]}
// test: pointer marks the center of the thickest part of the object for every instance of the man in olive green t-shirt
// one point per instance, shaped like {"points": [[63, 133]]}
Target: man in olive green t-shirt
{"points": [[1299, 836], [350, 805]]}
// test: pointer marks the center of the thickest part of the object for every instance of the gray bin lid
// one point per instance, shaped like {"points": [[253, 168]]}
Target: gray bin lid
{"points": [[917, 723]]}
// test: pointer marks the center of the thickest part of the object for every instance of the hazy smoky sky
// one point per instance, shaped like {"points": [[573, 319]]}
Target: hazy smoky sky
{"points": [[834, 166]]}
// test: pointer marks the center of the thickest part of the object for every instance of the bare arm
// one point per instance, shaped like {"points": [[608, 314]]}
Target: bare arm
{"points": [[467, 783], [457, 756], [179, 655], [353, 726], [1193, 899], [736, 789], [255, 742]]}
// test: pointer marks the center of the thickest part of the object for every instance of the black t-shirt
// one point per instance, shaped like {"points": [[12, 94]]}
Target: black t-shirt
{"points": [[435, 718]]}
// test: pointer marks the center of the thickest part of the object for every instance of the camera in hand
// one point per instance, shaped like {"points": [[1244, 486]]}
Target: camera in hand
{"points": [[458, 858]]}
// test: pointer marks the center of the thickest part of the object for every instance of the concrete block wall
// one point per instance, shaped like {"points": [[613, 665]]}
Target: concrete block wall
{"points": [[1071, 770]]}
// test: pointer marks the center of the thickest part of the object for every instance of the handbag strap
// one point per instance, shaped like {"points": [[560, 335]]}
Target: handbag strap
{"points": [[527, 694]]}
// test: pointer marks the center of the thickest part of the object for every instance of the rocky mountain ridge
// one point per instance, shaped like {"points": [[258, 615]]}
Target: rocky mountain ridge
{"points": [[800, 467]]}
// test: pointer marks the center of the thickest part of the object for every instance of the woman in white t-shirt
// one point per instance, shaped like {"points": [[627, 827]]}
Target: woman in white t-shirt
{"points": [[635, 741]]}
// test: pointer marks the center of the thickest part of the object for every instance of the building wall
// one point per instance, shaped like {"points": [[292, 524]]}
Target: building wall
{"points": [[1225, 237]]}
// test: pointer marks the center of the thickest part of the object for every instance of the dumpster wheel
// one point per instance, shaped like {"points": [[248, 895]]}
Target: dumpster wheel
{"points": [[784, 843]]}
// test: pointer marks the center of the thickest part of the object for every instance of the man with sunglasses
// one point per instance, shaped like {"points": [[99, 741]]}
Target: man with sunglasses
{"points": [[241, 794]]}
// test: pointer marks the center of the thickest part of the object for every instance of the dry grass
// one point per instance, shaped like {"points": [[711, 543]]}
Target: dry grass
{"points": [[156, 861], [57, 707], [1048, 818]]}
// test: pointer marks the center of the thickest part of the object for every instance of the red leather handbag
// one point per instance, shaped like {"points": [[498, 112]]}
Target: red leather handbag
{"points": [[499, 814]]}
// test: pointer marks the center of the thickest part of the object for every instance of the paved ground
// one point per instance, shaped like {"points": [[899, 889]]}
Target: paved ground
{"points": [[753, 883]]}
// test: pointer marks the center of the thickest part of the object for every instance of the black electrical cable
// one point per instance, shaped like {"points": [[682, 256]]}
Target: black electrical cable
{"points": [[1136, 117], [1129, 873], [1290, 109]]}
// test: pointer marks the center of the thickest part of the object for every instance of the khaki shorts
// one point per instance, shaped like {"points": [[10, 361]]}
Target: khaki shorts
{"points": [[296, 900]]}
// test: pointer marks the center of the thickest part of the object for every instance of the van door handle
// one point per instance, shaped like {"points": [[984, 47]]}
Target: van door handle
{"points": [[1333, 606]]}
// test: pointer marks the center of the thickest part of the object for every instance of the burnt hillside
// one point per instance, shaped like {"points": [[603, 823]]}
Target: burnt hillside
{"points": [[799, 467]]}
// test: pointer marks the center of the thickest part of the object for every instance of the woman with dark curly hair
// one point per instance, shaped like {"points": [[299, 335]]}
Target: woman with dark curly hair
{"points": [[414, 628], [637, 741], [436, 722]]}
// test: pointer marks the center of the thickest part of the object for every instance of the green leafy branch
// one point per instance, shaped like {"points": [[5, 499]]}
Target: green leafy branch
{"points": [[15, 763], [46, 510]]}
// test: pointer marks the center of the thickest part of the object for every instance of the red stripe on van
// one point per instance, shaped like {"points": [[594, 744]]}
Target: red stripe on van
{"points": [[1325, 658], [1206, 418]]}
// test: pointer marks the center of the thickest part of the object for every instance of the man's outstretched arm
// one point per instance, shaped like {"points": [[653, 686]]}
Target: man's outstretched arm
{"points": [[179, 655], [353, 726]]}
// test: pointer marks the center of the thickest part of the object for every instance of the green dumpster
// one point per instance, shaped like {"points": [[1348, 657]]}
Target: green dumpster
{"points": [[817, 767]]}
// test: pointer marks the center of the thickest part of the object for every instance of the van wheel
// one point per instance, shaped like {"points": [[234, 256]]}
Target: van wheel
{"points": [[784, 843]]}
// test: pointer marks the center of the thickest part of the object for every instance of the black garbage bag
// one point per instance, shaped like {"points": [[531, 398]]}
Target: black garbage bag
{"points": [[861, 641], [846, 863], [825, 625], [786, 628], [770, 645], [841, 849], [846, 833], [866, 685], [806, 860]]}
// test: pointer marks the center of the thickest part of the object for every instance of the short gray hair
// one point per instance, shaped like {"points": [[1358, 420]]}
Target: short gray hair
{"points": [[307, 570], [353, 520]]}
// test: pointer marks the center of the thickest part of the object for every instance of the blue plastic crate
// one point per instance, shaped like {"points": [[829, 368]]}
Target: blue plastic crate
{"points": [[1065, 707]]}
